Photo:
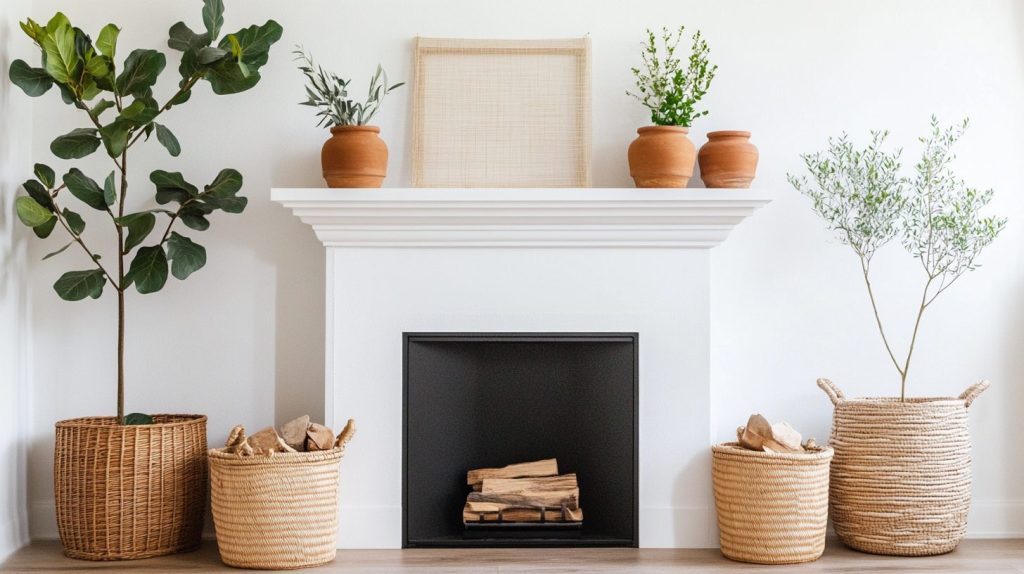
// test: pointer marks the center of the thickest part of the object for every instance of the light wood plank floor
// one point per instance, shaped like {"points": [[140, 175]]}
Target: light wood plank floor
{"points": [[973, 556]]}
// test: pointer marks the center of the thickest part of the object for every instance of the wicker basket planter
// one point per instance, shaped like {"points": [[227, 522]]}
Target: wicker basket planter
{"points": [[276, 512], [126, 492], [901, 476], [772, 507]]}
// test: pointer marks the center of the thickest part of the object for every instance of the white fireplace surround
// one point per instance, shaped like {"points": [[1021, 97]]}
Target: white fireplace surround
{"points": [[530, 260]]}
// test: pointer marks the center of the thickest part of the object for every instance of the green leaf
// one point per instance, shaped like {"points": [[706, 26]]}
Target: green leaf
{"points": [[183, 39], [172, 187], [39, 193], [98, 67], [195, 220], [148, 270], [57, 252], [31, 213], [186, 256], [213, 16], [58, 20], [44, 173], [165, 137], [43, 231], [32, 29], [85, 189], [115, 136], [209, 55], [138, 419], [141, 69], [109, 194], [139, 226], [33, 81], [75, 221], [77, 285], [106, 43], [62, 58], [75, 144], [226, 78], [252, 50], [101, 106], [221, 193]]}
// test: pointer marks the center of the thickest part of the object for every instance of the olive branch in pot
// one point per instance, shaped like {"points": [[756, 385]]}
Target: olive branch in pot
{"points": [[867, 203], [89, 78]]}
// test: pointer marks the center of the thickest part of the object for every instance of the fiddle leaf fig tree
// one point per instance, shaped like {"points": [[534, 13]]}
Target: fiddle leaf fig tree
{"points": [[120, 111]]}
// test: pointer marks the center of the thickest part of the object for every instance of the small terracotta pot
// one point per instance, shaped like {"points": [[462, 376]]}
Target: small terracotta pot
{"points": [[661, 156], [728, 159], [354, 156]]}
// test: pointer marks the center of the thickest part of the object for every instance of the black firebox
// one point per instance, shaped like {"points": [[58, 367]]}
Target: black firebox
{"points": [[476, 400]]}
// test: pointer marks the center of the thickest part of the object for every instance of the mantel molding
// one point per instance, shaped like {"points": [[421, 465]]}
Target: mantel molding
{"points": [[592, 217]]}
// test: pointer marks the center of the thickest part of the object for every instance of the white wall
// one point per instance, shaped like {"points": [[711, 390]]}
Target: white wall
{"points": [[15, 149], [242, 341]]}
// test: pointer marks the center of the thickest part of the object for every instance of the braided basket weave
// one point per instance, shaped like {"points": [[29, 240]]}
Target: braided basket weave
{"points": [[901, 476], [276, 512], [130, 491], [772, 507]]}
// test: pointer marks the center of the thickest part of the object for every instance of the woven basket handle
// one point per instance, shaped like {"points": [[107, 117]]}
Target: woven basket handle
{"points": [[346, 434], [833, 392], [972, 392]]}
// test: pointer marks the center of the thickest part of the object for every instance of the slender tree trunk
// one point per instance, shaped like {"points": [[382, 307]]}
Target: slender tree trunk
{"points": [[120, 291]]}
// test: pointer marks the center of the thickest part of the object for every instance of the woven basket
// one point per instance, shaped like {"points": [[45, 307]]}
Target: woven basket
{"points": [[772, 507], [276, 512], [130, 491], [901, 476]]}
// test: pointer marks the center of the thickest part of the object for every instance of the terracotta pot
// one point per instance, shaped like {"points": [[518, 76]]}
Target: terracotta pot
{"points": [[661, 156], [354, 156], [728, 159]]}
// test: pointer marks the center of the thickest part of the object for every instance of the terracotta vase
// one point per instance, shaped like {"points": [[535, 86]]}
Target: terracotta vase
{"points": [[354, 156], [661, 156], [728, 159]]}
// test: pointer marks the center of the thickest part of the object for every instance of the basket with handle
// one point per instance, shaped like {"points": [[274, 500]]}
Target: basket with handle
{"points": [[279, 511], [772, 507], [901, 475]]}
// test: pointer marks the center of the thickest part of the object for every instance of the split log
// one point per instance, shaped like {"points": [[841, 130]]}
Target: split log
{"points": [[267, 441], [528, 485], [319, 437], [548, 467], [294, 432], [512, 514], [567, 498]]}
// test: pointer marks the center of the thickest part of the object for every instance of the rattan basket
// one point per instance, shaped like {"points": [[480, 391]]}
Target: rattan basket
{"points": [[276, 512], [901, 476], [772, 507], [126, 492]]}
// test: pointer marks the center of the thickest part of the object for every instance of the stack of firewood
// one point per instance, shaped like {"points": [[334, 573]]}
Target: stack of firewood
{"points": [[525, 492], [298, 435], [759, 434]]}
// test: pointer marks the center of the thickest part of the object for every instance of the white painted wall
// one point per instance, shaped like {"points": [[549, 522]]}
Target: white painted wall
{"points": [[242, 341], [15, 149]]}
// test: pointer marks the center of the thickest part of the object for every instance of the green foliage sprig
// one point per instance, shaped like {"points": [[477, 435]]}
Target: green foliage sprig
{"points": [[668, 89], [329, 94], [937, 217], [88, 77]]}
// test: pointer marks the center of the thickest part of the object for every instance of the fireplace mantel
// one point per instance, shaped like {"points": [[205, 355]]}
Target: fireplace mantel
{"points": [[563, 217]]}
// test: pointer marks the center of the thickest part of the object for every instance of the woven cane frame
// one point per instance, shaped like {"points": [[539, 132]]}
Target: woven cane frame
{"points": [[772, 507], [130, 491], [901, 475], [502, 113]]}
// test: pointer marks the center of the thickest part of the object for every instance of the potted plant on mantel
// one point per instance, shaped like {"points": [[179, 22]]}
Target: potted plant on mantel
{"points": [[131, 486], [662, 155], [901, 476], [354, 155]]}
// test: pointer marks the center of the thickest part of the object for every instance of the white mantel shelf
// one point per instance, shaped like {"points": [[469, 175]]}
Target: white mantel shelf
{"points": [[558, 217]]}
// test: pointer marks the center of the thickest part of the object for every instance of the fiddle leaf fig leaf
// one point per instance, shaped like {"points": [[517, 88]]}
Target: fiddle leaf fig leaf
{"points": [[138, 419], [109, 195], [58, 20], [31, 213], [77, 285], [85, 189], [43, 231], [172, 187], [209, 55], [186, 256], [74, 221], [250, 47], [139, 227], [141, 69], [98, 67], [194, 219], [101, 106], [115, 136], [33, 81], [166, 137], [106, 43], [62, 58], [37, 192], [221, 193], [45, 174], [148, 270], [213, 16], [57, 252], [75, 144], [183, 39]]}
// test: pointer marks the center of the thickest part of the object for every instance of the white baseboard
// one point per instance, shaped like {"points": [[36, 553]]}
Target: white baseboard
{"points": [[996, 519]]}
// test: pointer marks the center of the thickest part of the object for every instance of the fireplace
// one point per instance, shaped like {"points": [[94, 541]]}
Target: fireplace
{"points": [[474, 400]]}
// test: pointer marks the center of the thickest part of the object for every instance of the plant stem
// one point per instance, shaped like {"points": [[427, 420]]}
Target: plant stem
{"points": [[913, 339], [120, 290], [864, 265]]}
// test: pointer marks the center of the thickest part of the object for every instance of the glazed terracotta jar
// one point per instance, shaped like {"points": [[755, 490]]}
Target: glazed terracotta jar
{"points": [[728, 159], [354, 156], [661, 156]]}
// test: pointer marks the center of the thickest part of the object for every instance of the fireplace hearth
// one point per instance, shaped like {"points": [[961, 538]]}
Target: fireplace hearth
{"points": [[479, 400]]}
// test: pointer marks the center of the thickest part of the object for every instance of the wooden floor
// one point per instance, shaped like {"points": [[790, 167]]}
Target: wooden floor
{"points": [[973, 556]]}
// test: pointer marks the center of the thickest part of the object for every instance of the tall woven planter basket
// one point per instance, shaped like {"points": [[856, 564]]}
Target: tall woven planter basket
{"points": [[126, 492], [772, 507], [276, 512], [901, 475]]}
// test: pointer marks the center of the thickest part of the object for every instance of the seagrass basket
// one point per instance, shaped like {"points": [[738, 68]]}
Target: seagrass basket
{"points": [[901, 475], [276, 512], [130, 491], [772, 507]]}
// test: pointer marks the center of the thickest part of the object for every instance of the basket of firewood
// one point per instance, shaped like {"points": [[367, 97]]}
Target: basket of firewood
{"points": [[771, 494], [274, 495]]}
